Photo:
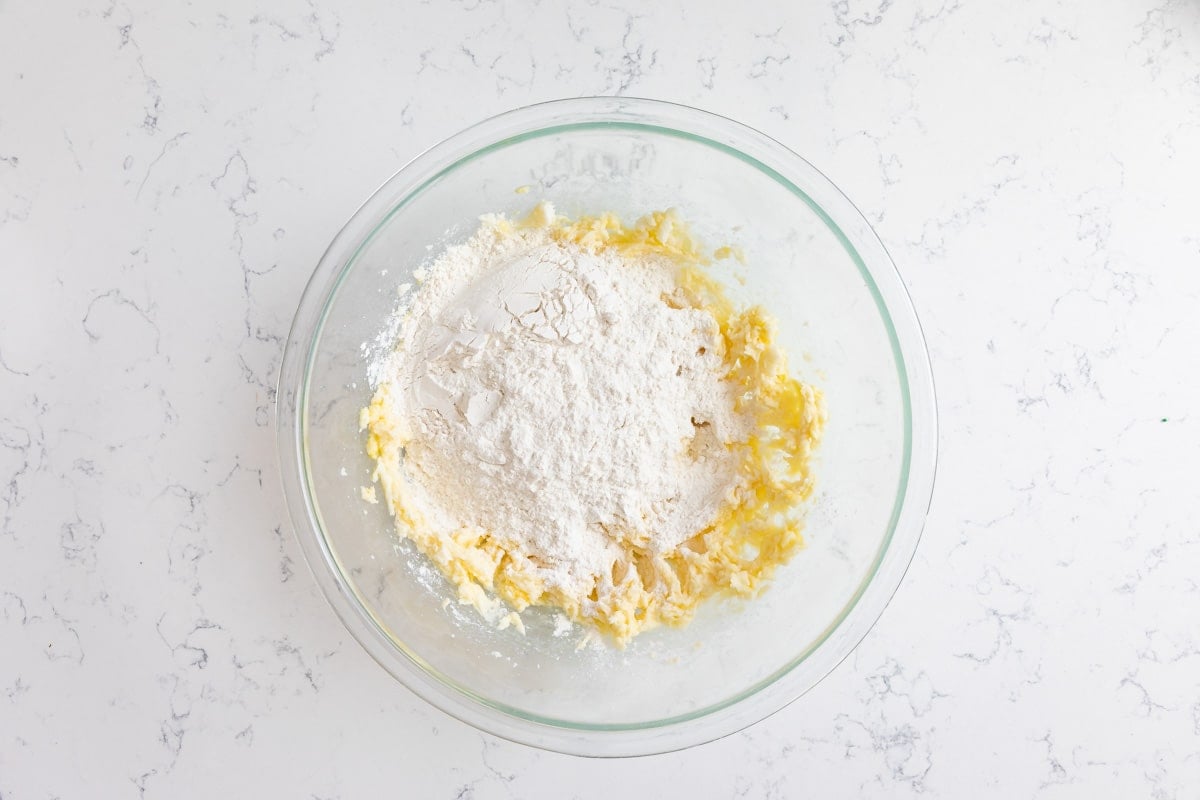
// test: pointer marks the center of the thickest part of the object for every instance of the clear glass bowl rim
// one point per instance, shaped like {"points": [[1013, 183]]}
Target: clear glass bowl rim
{"points": [[916, 381]]}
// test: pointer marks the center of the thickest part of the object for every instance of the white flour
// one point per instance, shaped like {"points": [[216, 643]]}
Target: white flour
{"points": [[558, 400]]}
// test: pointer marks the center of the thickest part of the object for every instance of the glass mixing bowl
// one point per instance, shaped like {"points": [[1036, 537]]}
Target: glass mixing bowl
{"points": [[844, 318]]}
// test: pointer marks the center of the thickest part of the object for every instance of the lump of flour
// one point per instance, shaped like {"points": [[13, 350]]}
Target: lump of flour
{"points": [[567, 420]]}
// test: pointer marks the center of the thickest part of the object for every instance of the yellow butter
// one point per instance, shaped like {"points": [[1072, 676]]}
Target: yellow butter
{"points": [[758, 529]]}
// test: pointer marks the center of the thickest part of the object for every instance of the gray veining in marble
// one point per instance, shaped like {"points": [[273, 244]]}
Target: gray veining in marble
{"points": [[170, 172]]}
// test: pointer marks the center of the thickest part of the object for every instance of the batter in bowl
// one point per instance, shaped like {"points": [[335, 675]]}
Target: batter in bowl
{"points": [[575, 415]]}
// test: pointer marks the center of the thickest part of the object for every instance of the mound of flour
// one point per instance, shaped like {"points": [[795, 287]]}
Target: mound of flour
{"points": [[563, 401]]}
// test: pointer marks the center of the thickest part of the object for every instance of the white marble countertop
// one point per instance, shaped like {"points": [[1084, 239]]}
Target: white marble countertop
{"points": [[170, 172]]}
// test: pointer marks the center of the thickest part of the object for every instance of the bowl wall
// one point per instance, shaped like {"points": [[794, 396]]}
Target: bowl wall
{"points": [[843, 319]]}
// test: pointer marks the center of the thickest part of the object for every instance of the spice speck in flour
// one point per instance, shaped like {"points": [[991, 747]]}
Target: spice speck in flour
{"points": [[574, 415]]}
